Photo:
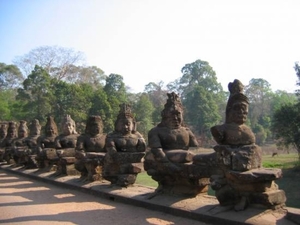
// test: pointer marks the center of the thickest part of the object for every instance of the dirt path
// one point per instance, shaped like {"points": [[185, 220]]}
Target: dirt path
{"points": [[24, 201]]}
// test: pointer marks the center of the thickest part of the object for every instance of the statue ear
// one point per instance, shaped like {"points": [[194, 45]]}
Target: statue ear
{"points": [[134, 126]]}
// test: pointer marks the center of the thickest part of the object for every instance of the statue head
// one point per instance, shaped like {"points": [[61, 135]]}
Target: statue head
{"points": [[237, 105], [12, 130], [68, 125], [23, 129], [50, 127], [125, 122], [3, 130], [172, 114], [94, 125], [35, 127]]}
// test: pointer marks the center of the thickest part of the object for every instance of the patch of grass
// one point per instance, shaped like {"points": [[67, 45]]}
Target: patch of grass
{"points": [[282, 161], [144, 179]]}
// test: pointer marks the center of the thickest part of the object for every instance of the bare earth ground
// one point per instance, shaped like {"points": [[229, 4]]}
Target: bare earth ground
{"points": [[27, 201]]}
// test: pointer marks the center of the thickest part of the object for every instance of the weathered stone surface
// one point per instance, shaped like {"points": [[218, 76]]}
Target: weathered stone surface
{"points": [[271, 199], [90, 150], [65, 144], [45, 143], [125, 149], [169, 161], [244, 181]]}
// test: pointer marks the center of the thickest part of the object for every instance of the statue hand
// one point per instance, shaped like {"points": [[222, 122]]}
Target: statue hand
{"points": [[141, 145], [80, 154]]}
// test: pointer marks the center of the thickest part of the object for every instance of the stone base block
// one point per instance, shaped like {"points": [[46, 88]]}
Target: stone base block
{"points": [[270, 199]]}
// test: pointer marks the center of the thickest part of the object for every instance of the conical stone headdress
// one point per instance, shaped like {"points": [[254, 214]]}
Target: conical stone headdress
{"points": [[236, 89]]}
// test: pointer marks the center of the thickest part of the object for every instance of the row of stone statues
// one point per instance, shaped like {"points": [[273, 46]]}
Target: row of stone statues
{"points": [[234, 170]]}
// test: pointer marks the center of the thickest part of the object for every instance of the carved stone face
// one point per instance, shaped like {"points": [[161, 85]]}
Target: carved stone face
{"points": [[94, 128], [174, 119], [3, 131], [22, 133], [35, 128], [50, 130], [125, 126], [11, 133], [68, 128], [239, 112]]}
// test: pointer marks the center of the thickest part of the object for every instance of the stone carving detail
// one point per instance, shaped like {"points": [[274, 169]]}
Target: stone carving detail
{"points": [[65, 144], [90, 150], [32, 143], [243, 180], [7, 143], [46, 145], [3, 133], [19, 147], [125, 149], [169, 161]]}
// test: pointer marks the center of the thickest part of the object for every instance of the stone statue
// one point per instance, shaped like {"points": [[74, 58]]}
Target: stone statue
{"points": [[243, 181], [90, 150], [19, 146], [169, 160], [32, 143], [125, 149], [46, 145], [6, 144], [3, 133], [65, 144]]}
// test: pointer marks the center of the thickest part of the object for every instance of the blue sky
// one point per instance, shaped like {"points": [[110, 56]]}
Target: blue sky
{"points": [[151, 40]]}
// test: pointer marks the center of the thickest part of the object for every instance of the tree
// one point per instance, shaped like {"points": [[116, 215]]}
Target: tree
{"points": [[158, 96], [91, 75], [5, 109], [260, 95], [116, 92], [199, 73], [36, 94], [286, 121], [297, 69], [72, 99], [202, 96], [56, 60], [202, 111], [10, 76], [143, 110], [101, 106], [280, 98], [286, 126]]}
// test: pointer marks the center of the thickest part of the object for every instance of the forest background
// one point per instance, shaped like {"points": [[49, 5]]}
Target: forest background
{"points": [[53, 80]]}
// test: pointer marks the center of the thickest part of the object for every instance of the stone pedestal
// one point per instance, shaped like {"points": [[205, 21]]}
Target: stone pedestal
{"points": [[94, 165], [65, 162], [177, 178], [244, 181], [122, 168]]}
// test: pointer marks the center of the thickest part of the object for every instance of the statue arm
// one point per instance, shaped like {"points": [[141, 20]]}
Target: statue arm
{"points": [[57, 143], [156, 147], [192, 140], [80, 144], [141, 144], [218, 133], [110, 145], [79, 149]]}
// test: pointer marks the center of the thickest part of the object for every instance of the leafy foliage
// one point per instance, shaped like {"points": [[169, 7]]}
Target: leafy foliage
{"points": [[10, 76]]}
